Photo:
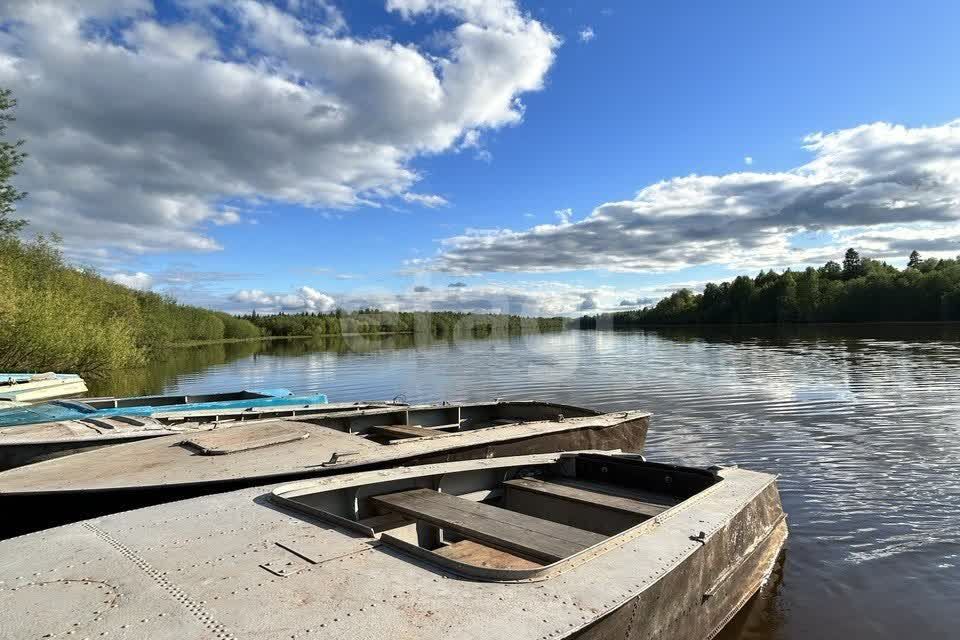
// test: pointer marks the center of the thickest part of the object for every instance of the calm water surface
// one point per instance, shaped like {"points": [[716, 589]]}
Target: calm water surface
{"points": [[863, 426]]}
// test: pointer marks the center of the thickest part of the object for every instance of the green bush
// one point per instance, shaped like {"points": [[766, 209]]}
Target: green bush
{"points": [[55, 317]]}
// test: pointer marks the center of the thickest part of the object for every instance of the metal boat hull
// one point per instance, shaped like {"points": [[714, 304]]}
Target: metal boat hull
{"points": [[245, 565], [38, 508], [700, 596]]}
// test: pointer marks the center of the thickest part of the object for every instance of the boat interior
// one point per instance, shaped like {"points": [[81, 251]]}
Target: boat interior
{"points": [[403, 423], [508, 523]]}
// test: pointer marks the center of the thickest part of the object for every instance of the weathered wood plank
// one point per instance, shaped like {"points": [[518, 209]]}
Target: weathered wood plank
{"points": [[403, 431], [531, 536], [480, 555], [593, 496]]}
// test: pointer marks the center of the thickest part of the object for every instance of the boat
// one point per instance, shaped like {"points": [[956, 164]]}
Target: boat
{"points": [[26, 444], [18, 388], [580, 545], [180, 406], [172, 467]]}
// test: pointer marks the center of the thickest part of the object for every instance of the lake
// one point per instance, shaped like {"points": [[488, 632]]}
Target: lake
{"points": [[861, 423]]}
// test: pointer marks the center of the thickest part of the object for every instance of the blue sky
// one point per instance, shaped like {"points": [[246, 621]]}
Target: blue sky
{"points": [[183, 169]]}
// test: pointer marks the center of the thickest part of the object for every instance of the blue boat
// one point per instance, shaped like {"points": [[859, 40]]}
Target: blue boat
{"points": [[146, 406]]}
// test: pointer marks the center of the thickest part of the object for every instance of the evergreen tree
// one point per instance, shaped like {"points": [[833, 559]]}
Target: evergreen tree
{"points": [[914, 261], [832, 270], [852, 264]]}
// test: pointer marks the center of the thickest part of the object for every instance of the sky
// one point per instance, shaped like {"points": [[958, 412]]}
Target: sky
{"points": [[535, 158]]}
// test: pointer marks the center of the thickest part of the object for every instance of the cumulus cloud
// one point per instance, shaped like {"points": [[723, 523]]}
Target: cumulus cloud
{"points": [[588, 302], [527, 298], [564, 215], [303, 299], [586, 34], [225, 217], [141, 129], [748, 160], [457, 285], [862, 183]]}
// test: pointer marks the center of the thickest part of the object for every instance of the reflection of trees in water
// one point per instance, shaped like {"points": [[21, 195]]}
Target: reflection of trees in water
{"points": [[919, 339], [764, 615], [176, 362], [163, 372]]}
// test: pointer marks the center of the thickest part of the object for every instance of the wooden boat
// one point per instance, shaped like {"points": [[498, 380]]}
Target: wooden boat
{"points": [[25, 444], [165, 407], [17, 388], [177, 466], [583, 545]]}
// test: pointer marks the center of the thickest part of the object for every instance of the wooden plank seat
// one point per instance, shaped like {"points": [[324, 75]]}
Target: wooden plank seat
{"points": [[634, 503], [398, 431], [534, 537]]}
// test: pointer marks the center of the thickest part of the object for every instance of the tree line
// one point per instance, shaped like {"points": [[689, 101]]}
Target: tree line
{"points": [[856, 290], [437, 324]]}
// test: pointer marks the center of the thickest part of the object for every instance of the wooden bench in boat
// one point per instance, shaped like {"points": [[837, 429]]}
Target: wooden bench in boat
{"points": [[534, 537], [402, 431], [623, 501], [594, 506]]}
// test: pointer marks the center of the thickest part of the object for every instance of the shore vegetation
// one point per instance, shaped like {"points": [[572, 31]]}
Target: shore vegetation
{"points": [[856, 290]]}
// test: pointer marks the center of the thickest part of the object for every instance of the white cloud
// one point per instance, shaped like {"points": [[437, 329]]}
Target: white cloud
{"points": [[528, 298], [862, 183], [586, 34], [138, 280], [748, 160], [225, 217], [303, 299], [138, 130], [564, 215], [426, 199]]}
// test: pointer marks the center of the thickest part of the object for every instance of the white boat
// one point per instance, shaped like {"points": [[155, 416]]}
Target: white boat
{"points": [[19, 388], [548, 546]]}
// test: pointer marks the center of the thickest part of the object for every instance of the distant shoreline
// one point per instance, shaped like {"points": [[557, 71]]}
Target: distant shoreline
{"points": [[201, 343]]}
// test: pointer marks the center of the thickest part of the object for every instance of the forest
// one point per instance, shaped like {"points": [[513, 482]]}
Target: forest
{"points": [[856, 290], [437, 324]]}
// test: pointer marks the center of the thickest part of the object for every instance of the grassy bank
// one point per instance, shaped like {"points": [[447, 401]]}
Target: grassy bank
{"points": [[56, 317]]}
